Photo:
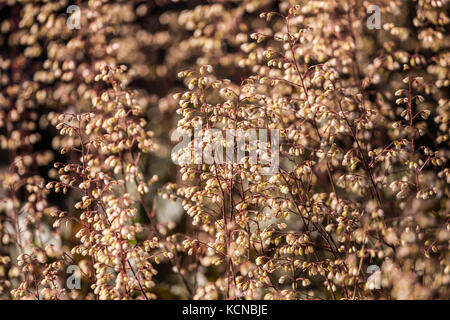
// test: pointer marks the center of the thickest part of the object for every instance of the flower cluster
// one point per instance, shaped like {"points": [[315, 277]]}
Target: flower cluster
{"points": [[359, 183]]}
